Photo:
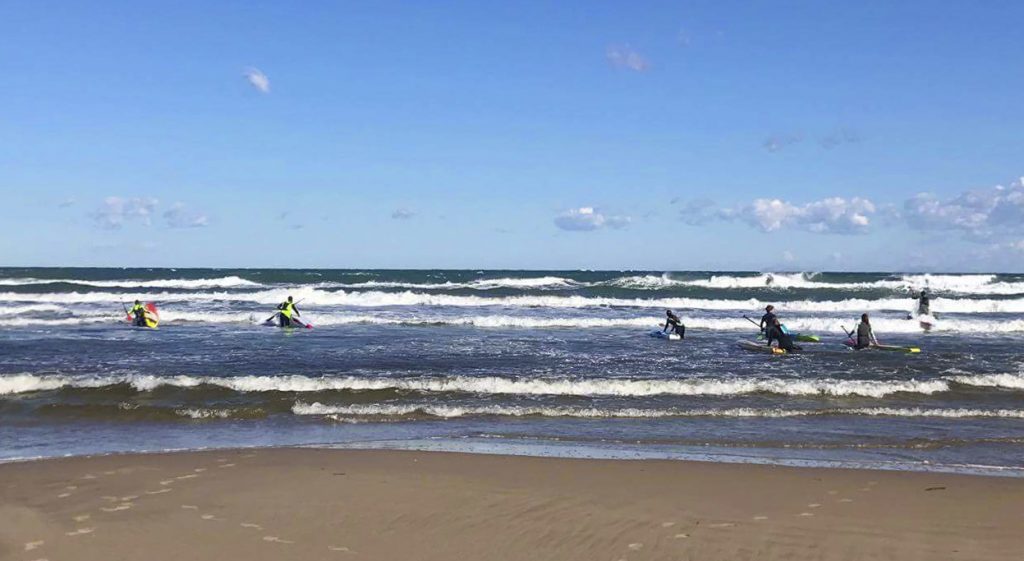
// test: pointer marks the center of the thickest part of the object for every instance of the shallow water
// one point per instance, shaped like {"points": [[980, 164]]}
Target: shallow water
{"points": [[503, 360]]}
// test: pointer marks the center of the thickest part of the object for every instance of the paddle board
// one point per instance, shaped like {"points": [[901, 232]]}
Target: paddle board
{"points": [[759, 347], [667, 336], [151, 316], [295, 324], [892, 348]]}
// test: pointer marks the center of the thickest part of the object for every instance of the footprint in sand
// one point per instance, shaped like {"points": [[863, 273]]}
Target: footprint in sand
{"points": [[636, 546], [275, 539], [251, 525], [32, 545], [80, 532]]}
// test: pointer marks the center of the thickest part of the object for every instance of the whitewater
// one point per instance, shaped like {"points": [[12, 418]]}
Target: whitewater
{"points": [[545, 357]]}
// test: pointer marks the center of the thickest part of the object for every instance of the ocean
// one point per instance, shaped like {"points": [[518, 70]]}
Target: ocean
{"points": [[519, 362]]}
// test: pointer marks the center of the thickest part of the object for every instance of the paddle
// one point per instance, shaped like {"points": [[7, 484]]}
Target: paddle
{"points": [[127, 316]]}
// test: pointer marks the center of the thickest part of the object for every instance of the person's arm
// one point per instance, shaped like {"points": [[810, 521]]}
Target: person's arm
{"points": [[296, 310]]}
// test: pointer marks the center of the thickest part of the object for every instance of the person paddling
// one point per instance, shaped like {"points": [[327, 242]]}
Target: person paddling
{"points": [[924, 307], [865, 334], [285, 311], [768, 319], [673, 321], [138, 313]]}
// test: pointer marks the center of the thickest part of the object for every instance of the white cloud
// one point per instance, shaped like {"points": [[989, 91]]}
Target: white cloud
{"points": [[402, 214], [116, 211], [834, 215], [623, 56], [697, 212], [257, 79], [979, 213], [588, 218], [179, 217]]}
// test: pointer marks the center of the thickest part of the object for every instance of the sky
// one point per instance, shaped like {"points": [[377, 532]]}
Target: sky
{"points": [[718, 135]]}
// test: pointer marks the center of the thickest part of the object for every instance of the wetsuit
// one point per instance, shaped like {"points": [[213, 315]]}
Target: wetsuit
{"points": [[139, 311], [776, 333], [924, 307], [865, 336], [284, 316], [676, 324], [767, 321]]}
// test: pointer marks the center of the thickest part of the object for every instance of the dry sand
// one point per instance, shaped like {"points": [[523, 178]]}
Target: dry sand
{"points": [[397, 506]]}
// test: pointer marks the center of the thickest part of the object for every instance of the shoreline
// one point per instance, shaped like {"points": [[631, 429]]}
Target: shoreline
{"points": [[578, 451], [292, 503]]}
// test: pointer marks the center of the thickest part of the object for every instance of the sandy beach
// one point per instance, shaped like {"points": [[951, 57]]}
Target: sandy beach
{"points": [[385, 505]]}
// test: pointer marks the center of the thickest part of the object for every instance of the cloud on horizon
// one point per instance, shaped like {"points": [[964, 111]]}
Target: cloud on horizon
{"points": [[179, 217], [584, 219], [116, 211], [980, 214], [402, 214], [626, 58], [257, 79]]}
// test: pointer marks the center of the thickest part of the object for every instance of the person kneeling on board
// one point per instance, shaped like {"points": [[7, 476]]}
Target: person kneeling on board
{"points": [[285, 311], [767, 320], [138, 312], [675, 323], [865, 335], [777, 333]]}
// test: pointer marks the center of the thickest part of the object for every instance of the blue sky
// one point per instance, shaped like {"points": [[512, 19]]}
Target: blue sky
{"points": [[654, 135]]}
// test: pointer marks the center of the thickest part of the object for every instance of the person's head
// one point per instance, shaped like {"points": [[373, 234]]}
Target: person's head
{"points": [[137, 302], [769, 308], [289, 298], [668, 313], [864, 318]]}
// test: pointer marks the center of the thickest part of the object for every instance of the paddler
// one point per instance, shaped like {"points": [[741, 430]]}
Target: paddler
{"points": [[768, 319], [285, 311], [138, 312], [673, 321], [865, 335], [924, 307]]}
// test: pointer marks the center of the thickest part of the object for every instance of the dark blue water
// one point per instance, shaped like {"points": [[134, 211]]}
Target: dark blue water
{"points": [[513, 361]]}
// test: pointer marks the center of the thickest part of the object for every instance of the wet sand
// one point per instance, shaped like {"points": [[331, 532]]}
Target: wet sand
{"points": [[392, 505]]}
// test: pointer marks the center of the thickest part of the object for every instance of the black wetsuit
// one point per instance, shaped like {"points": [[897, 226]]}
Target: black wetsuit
{"points": [[924, 306], [140, 315], [865, 336], [676, 324], [767, 321], [775, 333]]}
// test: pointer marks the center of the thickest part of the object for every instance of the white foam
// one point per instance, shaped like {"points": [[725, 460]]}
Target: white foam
{"points": [[454, 411], [222, 282], [1005, 381], [492, 385]]}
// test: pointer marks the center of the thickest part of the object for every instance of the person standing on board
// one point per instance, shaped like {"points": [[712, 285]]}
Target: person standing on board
{"points": [[675, 323], [924, 307], [777, 333], [285, 311], [138, 312], [865, 335], [768, 319]]}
